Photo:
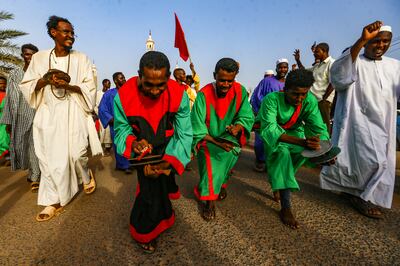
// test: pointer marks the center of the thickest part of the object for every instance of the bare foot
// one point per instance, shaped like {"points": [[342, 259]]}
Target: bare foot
{"points": [[288, 218], [277, 196], [148, 247], [222, 194], [209, 210]]}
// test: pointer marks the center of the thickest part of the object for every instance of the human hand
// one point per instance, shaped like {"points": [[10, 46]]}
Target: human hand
{"points": [[150, 171], [234, 129], [191, 66], [312, 143], [370, 31], [227, 146], [296, 54], [313, 47], [139, 147]]}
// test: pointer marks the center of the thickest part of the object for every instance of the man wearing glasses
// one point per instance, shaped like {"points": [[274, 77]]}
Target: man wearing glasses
{"points": [[59, 84]]}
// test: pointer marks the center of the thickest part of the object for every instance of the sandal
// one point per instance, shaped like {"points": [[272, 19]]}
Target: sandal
{"points": [[34, 187], [91, 187], [222, 194], [365, 208], [50, 211], [149, 247]]}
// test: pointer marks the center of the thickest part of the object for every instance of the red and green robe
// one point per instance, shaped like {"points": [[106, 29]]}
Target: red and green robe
{"points": [[4, 136], [277, 117], [165, 123], [211, 115]]}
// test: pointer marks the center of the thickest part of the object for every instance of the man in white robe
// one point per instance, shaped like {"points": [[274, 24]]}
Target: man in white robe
{"points": [[365, 122], [63, 126]]}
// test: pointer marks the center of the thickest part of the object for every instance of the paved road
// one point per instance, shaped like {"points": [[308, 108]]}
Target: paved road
{"points": [[93, 230]]}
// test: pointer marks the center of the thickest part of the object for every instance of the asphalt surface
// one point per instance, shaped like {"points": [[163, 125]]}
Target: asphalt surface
{"points": [[94, 229]]}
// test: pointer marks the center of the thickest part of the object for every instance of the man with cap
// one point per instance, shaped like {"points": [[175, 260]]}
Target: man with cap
{"points": [[322, 89], [269, 73], [266, 86], [365, 122]]}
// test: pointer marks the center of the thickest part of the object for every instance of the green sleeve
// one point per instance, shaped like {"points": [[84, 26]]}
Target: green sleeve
{"points": [[270, 130], [313, 123], [123, 131], [245, 115], [178, 149], [198, 118]]}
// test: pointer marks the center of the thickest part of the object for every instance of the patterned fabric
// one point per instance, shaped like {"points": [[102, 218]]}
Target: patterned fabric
{"points": [[19, 115]]}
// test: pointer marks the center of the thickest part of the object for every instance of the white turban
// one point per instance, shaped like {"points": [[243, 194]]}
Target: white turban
{"points": [[269, 72], [385, 28], [282, 60]]}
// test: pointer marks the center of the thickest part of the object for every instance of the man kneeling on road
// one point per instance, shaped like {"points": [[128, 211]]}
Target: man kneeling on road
{"points": [[290, 122]]}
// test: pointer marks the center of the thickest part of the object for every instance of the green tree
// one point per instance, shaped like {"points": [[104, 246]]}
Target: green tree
{"points": [[9, 52]]}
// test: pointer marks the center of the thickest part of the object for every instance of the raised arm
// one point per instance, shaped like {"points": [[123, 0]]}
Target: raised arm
{"points": [[369, 32]]}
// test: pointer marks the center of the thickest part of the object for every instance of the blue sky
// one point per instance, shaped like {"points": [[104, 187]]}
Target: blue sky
{"points": [[255, 33]]}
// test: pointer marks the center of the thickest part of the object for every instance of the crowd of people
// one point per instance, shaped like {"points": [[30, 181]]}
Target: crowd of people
{"points": [[50, 109]]}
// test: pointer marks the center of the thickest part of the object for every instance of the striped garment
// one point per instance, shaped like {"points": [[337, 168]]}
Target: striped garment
{"points": [[19, 115]]}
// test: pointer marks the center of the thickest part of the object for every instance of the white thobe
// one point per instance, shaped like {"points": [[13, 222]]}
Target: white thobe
{"points": [[105, 135], [364, 128], [62, 128]]}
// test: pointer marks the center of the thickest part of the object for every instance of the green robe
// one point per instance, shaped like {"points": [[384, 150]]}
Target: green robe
{"points": [[4, 136], [211, 115], [284, 159]]}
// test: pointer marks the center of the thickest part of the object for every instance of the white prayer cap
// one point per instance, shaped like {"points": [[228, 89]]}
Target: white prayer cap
{"points": [[282, 60], [385, 28], [269, 72]]}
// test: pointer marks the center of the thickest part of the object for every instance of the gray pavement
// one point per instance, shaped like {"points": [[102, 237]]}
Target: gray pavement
{"points": [[94, 229]]}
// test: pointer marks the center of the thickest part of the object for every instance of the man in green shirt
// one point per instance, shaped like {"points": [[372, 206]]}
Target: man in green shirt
{"points": [[222, 120], [290, 122]]}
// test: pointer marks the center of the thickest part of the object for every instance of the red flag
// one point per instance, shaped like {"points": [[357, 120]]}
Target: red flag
{"points": [[180, 41]]}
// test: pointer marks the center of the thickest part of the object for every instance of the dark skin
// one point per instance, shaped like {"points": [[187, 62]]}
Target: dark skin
{"points": [[320, 55], [375, 45], [296, 55], [295, 96], [151, 83], [223, 81], [3, 84], [180, 75], [119, 81], [106, 85], [63, 37], [281, 71], [27, 56]]}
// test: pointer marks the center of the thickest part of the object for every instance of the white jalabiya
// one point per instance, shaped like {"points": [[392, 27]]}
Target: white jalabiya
{"points": [[105, 135], [364, 128], [62, 128]]}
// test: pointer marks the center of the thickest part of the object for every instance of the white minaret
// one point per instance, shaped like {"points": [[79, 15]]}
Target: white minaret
{"points": [[149, 43]]}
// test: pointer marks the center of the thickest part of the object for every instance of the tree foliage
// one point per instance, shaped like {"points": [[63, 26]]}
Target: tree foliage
{"points": [[9, 52]]}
